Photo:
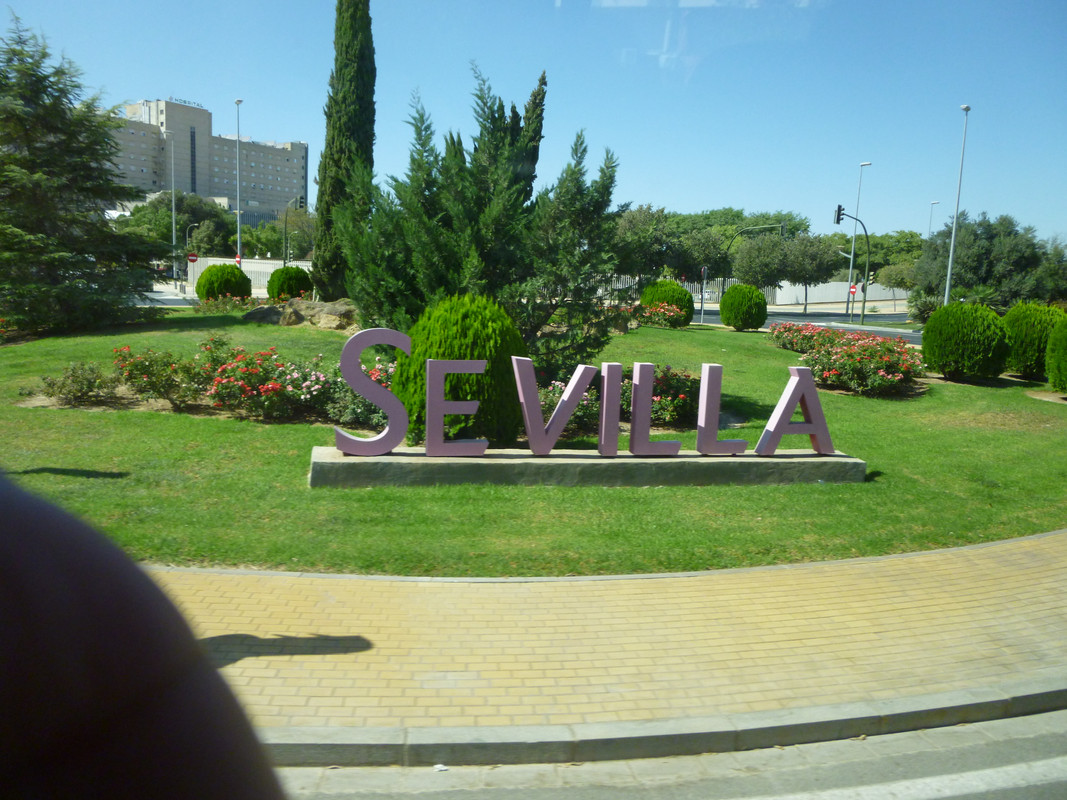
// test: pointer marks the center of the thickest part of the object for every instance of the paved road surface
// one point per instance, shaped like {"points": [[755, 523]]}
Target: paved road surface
{"points": [[874, 323], [1024, 758]]}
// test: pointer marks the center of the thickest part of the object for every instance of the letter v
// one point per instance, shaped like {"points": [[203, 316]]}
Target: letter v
{"points": [[542, 438]]}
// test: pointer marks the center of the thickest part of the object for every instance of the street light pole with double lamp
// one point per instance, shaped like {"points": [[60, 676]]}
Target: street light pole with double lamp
{"points": [[849, 297], [238, 104], [959, 185]]}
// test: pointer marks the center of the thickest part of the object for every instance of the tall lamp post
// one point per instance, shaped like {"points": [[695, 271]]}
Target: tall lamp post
{"points": [[173, 210], [959, 185], [852, 257], [238, 104], [930, 227], [285, 232]]}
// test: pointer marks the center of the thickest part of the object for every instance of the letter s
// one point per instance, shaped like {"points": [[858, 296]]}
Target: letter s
{"points": [[397, 426]]}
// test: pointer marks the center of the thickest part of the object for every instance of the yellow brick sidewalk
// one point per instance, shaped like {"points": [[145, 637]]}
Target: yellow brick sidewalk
{"points": [[347, 651]]}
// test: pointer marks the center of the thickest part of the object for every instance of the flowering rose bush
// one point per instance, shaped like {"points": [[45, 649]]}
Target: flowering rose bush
{"points": [[155, 374], [661, 315], [259, 384], [675, 396], [351, 410], [801, 338], [263, 385], [586, 416], [854, 361]]}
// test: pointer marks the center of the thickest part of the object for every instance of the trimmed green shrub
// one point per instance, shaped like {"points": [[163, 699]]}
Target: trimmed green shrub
{"points": [[1029, 326], [673, 294], [965, 340], [288, 282], [1056, 356], [743, 308], [465, 327], [220, 280]]}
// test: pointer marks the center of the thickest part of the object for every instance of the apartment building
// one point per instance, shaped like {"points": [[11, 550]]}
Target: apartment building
{"points": [[164, 138]]}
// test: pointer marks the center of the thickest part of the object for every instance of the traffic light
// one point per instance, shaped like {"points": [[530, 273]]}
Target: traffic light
{"points": [[839, 215], [300, 202]]}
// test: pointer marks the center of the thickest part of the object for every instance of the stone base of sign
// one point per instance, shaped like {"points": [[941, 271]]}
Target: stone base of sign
{"points": [[410, 466]]}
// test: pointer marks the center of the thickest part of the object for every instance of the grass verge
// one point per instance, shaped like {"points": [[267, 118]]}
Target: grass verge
{"points": [[958, 464]]}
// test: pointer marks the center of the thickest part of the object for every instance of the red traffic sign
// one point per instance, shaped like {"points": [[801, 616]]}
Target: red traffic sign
{"points": [[851, 289], [237, 258], [192, 258]]}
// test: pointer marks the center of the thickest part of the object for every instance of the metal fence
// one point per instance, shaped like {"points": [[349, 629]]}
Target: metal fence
{"points": [[789, 294], [259, 270]]}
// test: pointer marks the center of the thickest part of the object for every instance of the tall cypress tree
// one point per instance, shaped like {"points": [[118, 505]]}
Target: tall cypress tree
{"points": [[349, 137]]}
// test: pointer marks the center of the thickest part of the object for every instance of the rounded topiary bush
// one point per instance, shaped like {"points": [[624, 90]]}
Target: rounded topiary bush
{"points": [[743, 308], [965, 340], [1029, 326], [1056, 356], [674, 294], [288, 282], [220, 280], [465, 327]]}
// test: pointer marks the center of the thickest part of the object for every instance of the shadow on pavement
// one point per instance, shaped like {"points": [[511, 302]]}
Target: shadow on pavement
{"points": [[233, 647]]}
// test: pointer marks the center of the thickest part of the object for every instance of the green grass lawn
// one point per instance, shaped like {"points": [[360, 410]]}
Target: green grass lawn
{"points": [[955, 465]]}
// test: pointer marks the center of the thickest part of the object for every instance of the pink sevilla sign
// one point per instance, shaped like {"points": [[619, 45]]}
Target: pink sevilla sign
{"points": [[799, 391]]}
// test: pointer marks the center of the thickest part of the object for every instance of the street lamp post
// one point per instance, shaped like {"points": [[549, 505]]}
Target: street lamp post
{"points": [[930, 227], [285, 232], [959, 185], [173, 210], [238, 104], [852, 257]]}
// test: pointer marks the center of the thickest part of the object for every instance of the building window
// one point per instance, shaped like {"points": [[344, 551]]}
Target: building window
{"points": [[192, 159]]}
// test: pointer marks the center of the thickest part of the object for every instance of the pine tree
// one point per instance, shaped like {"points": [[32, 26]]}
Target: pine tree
{"points": [[62, 265], [468, 221], [349, 138]]}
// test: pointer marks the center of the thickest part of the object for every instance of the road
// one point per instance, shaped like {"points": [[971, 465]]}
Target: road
{"points": [[1022, 758], [873, 323], [167, 294]]}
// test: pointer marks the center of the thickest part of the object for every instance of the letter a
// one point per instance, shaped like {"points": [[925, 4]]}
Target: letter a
{"points": [[800, 390]]}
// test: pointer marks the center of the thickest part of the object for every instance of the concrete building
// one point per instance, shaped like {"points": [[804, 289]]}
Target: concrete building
{"points": [[161, 137]]}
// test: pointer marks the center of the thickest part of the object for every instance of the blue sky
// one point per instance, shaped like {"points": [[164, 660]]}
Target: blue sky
{"points": [[763, 105]]}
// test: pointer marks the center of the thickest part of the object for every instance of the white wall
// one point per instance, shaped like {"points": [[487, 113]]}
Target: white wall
{"points": [[258, 269], [835, 292]]}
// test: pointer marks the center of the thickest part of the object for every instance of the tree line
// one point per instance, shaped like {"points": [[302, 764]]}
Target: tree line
{"points": [[208, 229], [467, 216]]}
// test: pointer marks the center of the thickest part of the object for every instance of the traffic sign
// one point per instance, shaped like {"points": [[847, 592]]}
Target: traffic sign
{"points": [[237, 258], [851, 289], [192, 258]]}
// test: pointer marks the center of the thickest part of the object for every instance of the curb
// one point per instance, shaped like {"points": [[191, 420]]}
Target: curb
{"points": [[536, 744]]}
